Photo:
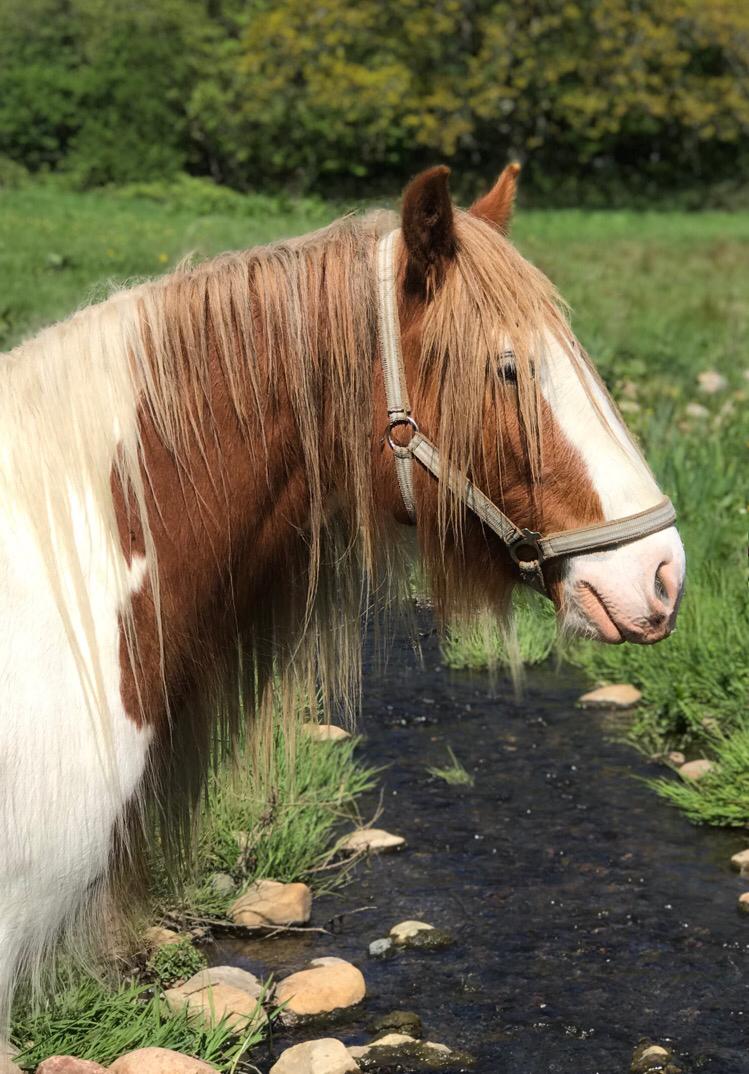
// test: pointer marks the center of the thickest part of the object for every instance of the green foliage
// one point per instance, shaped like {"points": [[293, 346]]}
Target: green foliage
{"points": [[481, 644], [91, 1021], [721, 796], [601, 95], [279, 826], [453, 773], [173, 962]]}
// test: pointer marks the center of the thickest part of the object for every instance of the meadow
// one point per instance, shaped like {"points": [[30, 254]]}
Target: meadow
{"points": [[657, 298]]}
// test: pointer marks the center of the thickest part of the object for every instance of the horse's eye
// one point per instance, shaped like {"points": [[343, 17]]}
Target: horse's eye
{"points": [[507, 368]]}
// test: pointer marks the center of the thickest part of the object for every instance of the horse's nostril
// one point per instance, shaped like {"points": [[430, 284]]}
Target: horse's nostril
{"points": [[667, 585]]}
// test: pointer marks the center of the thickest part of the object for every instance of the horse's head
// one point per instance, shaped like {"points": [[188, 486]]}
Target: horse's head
{"points": [[505, 394]]}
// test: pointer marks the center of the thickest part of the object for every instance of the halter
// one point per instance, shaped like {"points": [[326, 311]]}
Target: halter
{"points": [[529, 550]]}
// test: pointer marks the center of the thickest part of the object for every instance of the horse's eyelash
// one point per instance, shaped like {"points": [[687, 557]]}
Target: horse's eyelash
{"points": [[507, 367]]}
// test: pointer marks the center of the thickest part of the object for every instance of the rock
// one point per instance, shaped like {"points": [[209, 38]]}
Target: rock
{"points": [[232, 976], [68, 1064], [617, 696], [743, 903], [329, 985], [740, 862], [372, 840], [711, 381], [399, 1022], [327, 1056], [401, 1052], [652, 1057], [380, 948], [7, 1066], [696, 410], [406, 930], [222, 993], [676, 758], [157, 937], [222, 883], [325, 732], [696, 769], [268, 902], [419, 934], [160, 1061]]}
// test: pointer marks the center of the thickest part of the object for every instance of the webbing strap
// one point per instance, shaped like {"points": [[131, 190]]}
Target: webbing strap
{"points": [[396, 391]]}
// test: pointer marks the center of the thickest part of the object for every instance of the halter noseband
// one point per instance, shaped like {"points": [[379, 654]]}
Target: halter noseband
{"points": [[529, 550]]}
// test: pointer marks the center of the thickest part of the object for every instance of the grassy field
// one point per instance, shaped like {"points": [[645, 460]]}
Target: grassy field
{"points": [[657, 298]]}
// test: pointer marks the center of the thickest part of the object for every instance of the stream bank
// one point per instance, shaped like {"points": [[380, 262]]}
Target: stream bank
{"points": [[586, 914]]}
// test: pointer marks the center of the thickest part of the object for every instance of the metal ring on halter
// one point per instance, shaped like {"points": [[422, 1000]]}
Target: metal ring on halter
{"points": [[527, 541], [394, 423]]}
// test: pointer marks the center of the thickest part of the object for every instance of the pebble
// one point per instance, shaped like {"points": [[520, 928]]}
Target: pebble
{"points": [[401, 1052], [419, 934], [218, 993], [617, 696], [740, 862], [69, 1064], [406, 930], [222, 883], [380, 948], [325, 732], [649, 1057], [268, 902], [160, 1061], [676, 758], [157, 937], [711, 381], [330, 984], [326, 1056], [407, 1022], [744, 902], [693, 770], [372, 840]]}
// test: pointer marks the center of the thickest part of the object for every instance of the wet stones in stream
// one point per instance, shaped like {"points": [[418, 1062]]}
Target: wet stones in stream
{"points": [[398, 1052], [269, 902], [220, 994], [327, 1056], [649, 1058], [372, 841], [329, 985]]}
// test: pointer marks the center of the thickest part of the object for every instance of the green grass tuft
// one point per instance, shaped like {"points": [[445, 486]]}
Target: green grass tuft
{"points": [[454, 773], [92, 1021], [175, 962]]}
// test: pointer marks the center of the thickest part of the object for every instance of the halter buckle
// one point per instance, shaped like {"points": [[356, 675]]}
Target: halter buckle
{"points": [[404, 419], [525, 550]]}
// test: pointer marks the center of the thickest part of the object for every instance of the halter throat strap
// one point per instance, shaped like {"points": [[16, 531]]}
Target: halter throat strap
{"points": [[529, 550]]}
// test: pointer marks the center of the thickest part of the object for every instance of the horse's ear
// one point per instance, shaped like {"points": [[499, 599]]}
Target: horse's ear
{"points": [[428, 229], [496, 206]]}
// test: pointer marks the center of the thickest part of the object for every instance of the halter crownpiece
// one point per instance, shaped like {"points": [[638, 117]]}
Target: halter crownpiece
{"points": [[528, 550]]}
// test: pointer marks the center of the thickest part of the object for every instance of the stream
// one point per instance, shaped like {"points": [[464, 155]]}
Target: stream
{"points": [[586, 913]]}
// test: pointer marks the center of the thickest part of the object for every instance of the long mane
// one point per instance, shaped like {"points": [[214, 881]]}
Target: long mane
{"points": [[290, 325]]}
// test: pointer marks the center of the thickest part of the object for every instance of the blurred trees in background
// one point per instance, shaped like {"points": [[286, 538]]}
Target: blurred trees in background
{"points": [[597, 95]]}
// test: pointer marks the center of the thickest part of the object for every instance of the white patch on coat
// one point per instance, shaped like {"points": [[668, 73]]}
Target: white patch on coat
{"points": [[627, 578], [65, 773]]}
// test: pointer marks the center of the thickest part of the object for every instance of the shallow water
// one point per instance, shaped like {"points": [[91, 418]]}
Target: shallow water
{"points": [[586, 913]]}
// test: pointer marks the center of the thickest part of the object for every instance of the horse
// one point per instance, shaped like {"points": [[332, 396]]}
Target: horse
{"points": [[208, 480]]}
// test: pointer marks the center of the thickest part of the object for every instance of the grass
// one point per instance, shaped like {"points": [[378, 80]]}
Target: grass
{"points": [[657, 297], [454, 773], [280, 826], [90, 1020]]}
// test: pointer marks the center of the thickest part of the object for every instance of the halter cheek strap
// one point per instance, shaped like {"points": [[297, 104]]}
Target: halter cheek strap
{"points": [[529, 550]]}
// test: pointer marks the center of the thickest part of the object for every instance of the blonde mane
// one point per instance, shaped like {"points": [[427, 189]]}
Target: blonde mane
{"points": [[290, 325]]}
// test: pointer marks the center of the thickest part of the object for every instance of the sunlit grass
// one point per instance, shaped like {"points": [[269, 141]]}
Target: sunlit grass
{"points": [[453, 773]]}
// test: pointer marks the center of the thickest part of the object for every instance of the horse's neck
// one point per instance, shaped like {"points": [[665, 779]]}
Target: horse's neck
{"points": [[228, 522]]}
